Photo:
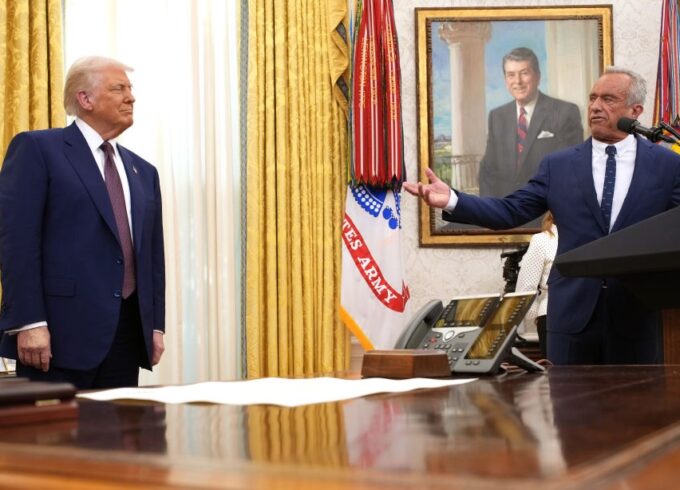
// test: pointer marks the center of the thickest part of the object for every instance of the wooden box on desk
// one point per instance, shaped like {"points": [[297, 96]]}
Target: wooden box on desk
{"points": [[405, 363], [29, 402]]}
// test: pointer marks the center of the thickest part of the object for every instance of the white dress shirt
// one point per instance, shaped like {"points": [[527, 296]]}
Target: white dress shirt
{"points": [[626, 150], [94, 141], [528, 108]]}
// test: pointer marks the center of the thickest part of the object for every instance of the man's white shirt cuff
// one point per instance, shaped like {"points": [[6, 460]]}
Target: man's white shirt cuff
{"points": [[26, 327], [44, 324], [453, 200]]}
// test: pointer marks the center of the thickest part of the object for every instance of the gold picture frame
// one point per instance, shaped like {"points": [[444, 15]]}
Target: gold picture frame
{"points": [[572, 46]]}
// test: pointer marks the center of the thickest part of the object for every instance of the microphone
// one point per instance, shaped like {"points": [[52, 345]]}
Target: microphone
{"points": [[652, 134]]}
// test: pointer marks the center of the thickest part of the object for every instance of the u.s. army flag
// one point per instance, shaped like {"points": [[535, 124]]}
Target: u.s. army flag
{"points": [[374, 291]]}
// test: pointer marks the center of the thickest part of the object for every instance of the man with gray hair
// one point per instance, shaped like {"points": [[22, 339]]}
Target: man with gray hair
{"points": [[610, 181], [81, 242], [529, 127]]}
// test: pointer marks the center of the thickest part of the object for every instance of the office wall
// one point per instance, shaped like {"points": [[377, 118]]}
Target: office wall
{"points": [[444, 272]]}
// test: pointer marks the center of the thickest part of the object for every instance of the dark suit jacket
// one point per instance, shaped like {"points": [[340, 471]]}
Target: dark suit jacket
{"points": [[60, 256], [564, 185], [558, 123]]}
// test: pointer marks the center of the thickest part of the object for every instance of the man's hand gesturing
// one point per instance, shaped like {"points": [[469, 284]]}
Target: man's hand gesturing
{"points": [[435, 194]]}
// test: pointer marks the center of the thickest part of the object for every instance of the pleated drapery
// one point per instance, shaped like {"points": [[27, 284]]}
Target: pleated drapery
{"points": [[31, 67], [296, 152]]}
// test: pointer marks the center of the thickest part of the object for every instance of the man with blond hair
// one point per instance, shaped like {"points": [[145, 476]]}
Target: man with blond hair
{"points": [[81, 242]]}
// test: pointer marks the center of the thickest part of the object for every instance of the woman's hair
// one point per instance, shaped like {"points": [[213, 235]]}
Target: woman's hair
{"points": [[548, 221]]}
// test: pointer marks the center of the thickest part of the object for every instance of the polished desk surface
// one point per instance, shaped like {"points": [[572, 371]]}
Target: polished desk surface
{"points": [[574, 427]]}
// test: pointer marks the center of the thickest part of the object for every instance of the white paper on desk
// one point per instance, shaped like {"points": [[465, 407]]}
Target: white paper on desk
{"points": [[272, 391]]}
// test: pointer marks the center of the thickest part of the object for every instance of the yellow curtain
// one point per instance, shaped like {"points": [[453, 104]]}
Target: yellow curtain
{"points": [[31, 67], [296, 150]]}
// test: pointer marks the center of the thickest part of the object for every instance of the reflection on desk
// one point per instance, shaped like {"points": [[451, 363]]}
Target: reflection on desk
{"points": [[576, 427]]}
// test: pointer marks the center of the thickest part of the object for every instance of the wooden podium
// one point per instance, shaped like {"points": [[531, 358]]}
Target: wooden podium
{"points": [[646, 258]]}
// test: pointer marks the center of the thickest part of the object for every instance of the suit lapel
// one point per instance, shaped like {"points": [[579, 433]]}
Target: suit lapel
{"points": [[79, 155], [637, 184], [509, 120], [137, 200], [583, 169]]}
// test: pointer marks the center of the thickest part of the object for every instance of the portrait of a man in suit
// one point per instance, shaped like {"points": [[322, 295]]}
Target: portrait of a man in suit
{"points": [[478, 74], [521, 132]]}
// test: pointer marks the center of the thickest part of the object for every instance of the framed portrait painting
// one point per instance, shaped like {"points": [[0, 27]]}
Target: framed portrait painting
{"points": [[498, 89]]}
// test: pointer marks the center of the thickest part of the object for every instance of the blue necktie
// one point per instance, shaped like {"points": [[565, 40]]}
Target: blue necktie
{"points": [[608, 188]]}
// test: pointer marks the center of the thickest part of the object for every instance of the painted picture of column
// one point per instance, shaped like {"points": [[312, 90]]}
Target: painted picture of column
{"points": [[498, 89]]}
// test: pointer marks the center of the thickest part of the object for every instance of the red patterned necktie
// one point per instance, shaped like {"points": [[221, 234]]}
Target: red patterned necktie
{"points": [[521, 133], [115, 189]]}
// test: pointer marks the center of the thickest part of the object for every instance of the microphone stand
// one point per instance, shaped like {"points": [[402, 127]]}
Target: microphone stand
{"points": [[657, 135], [671, 130]]}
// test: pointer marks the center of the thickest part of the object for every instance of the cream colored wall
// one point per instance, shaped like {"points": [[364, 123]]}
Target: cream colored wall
{"points": [[446, 272]]}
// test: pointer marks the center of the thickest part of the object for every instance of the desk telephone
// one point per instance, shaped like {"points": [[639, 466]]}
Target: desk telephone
{"points": [[476, 332]]}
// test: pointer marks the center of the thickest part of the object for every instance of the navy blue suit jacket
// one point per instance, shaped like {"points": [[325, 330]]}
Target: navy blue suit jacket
{"points": [[60, 256], [564, 185]]}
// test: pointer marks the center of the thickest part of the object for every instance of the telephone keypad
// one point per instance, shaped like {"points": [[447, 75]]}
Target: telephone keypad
{"points": [[451, 341]]}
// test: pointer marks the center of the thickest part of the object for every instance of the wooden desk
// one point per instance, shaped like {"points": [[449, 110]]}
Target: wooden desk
{"points": [[578, 427]]}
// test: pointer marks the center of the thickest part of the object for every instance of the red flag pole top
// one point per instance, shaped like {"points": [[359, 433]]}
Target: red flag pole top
{"points": [[395, 140], [667, 102]]}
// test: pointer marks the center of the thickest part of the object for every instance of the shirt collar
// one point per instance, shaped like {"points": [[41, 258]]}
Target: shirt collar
{"points": [[529, 107], [629, 143], [92, 137]]}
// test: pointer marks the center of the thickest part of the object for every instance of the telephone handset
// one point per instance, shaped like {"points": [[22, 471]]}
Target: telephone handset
{"points": [[420, 325], [476, 332]]}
